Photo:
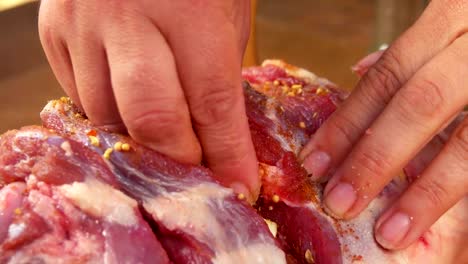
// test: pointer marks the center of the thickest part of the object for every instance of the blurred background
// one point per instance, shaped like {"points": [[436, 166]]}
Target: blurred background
{"points": [[324, 36]]}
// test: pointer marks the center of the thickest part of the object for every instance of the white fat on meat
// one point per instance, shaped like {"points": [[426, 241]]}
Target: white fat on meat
{"points": [[65, 146], [298, 72], [15, 230], [255, 253], [102, 201], [288, 144], [360, 241], [190, 210]]}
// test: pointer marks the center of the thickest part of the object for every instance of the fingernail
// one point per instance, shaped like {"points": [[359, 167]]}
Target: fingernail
{"points": [[340, 199], [393, 230], [364, 64], [317, 164]]}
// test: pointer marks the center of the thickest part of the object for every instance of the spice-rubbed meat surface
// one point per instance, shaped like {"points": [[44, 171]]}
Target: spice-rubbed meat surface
{"points": [[72, 193]]}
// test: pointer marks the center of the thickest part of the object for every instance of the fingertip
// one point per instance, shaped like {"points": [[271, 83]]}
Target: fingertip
{"points": [[241, 175], [317, 164], [243, 192], [391, 232], [362, 66], [339, 200]]}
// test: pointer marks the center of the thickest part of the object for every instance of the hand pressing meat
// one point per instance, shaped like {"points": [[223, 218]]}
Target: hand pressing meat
{"points": [[74, 193], [166, 71], [414, 89], [169, 73]]}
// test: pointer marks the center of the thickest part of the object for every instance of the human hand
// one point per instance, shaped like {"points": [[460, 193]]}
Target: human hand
{"points": [[168, 72], [411, 93]]}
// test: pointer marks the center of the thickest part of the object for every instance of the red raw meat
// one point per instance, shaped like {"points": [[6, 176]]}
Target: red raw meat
{"points": [[170, 192], [60, 204], [76, 193]]}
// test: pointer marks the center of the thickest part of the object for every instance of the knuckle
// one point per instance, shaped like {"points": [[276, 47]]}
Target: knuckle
{"points": [[374, 161], [343, 125], [232, 150], [383, 79], [137, 74], [46, 33], [67, 7], [431, 190], [422, 99], [449, 17], [214, 106], [144, 124]]}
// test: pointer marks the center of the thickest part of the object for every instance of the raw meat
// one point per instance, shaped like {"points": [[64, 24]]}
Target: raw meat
{"points": [[75, 193], [286, 107], [197, 219], [59, 204]]}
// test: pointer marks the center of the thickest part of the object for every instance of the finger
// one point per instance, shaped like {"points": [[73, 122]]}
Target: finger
{"points": [[93, 81], [147, 90], [55, 48], [210, 71], [417, 165], [433, 96], [440, 187], [434, 31]]}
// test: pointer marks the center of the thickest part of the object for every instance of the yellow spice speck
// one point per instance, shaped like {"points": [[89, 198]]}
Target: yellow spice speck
{"points": [[270, 207], [94, 141], [291, 94], [125, 147], [285, 89], [18, 211], [241, 196], [308, 257], [118, 146], [302, 124], [275, 198], [261, 172], [276, 82], [107, 153], [296, 86], [321, 91]]}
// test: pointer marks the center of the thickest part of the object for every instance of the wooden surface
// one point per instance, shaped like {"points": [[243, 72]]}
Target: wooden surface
{"points": [[325, 36]]}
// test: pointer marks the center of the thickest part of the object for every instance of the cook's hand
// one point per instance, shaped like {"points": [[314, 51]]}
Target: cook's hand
{"points": [[167, 71], [413, 90]]}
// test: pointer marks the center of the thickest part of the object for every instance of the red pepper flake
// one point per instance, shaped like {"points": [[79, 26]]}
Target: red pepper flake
{"points": [[92, 132]]}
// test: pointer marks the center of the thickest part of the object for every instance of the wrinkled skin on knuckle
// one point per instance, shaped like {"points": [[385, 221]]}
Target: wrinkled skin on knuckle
{"points": [[135, 73], [233, 150], [374, 161], [453, 16], [445, 18], [214, 106], [383, 79], [341, 125], [431, 190], [153, 124], [422, 101]]}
